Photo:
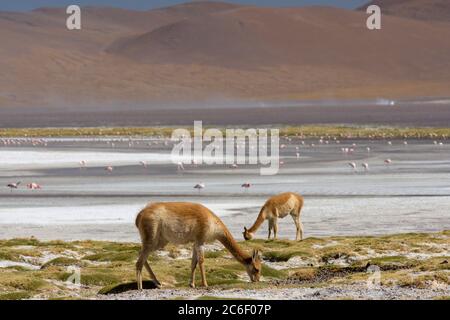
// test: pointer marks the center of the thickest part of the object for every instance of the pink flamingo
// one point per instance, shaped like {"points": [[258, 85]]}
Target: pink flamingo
{"points": [[34, 186], [352, 165], [387, 162], [82, 164], [200, 186], [194, 163], [246, 185], [180, 166], [365, 166], [13, 186], [109, 169], [144, 164]]}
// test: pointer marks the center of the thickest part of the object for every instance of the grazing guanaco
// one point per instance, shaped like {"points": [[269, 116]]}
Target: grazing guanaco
{"points": [[183, 222], [278, 206]]}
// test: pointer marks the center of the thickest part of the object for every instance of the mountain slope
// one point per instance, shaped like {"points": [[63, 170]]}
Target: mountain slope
{"points": [[430, 10], [208, 50]]}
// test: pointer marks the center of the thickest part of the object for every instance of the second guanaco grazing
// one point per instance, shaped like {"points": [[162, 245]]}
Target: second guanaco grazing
{"points": [[278, 206], [181, 223]]}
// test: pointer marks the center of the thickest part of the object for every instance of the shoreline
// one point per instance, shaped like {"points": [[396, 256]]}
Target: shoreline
{"points": [[346, 132]]}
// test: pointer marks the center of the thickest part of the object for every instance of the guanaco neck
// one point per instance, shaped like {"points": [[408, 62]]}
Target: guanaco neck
{"points": [[232, 246], [259, 221]]}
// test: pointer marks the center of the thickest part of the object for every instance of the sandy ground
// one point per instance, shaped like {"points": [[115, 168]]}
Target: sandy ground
{"points": [[332, 293]]}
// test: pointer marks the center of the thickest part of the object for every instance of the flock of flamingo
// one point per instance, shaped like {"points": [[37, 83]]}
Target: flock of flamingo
{"points": [[31, 186], [180, 167]]}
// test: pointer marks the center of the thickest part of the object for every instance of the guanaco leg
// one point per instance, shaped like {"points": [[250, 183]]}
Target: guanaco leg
{"points": [[194, 262], [275, 228], [201, 260], [270, 228]]}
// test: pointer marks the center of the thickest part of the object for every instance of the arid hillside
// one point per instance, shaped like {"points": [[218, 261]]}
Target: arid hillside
{"points": [[430, 10], [207, 50]]}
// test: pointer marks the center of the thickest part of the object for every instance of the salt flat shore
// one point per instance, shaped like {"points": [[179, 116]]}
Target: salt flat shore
{"points": [[410, 195], [354, 292], [396, 266]]}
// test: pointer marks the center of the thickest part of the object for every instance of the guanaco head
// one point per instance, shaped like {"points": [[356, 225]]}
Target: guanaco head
{"points": [[247, 234], [254, 266]]}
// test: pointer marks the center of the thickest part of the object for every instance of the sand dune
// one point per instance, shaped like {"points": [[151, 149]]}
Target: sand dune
{"points": [[203, 50]]}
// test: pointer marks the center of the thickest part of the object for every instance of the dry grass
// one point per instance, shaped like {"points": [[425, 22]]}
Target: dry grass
{"points": [[340, 132], [404, 259]]}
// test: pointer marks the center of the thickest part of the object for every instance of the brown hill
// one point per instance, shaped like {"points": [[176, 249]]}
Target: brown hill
{"points": [[430, 10], [208, 50], [315, 36]]}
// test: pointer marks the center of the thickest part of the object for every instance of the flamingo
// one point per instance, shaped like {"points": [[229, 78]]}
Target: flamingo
{"points": [[180, 166], [387, 162], [144, 164], [109, 169], [234, 166], [246, 185], [352, 165], [365, 166], [33, 186], [82, 164], [13, 186], [199, 186]]}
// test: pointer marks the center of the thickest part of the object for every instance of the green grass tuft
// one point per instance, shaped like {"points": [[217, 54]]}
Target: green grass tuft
{"points": [[20, 295]]}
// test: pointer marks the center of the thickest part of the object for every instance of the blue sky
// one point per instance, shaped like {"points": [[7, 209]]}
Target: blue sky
{"points": [[16, 5]]}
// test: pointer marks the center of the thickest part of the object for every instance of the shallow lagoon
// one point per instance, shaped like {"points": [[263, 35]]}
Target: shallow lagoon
{"points": [[412, 194]]}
